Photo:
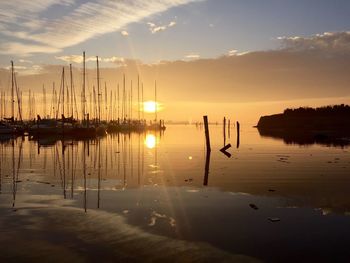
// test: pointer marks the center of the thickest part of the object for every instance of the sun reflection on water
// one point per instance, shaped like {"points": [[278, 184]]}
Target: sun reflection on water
{"points": [[150, 141]]}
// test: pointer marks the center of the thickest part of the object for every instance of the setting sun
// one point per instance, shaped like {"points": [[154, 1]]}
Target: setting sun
{"points": [[150, 106]]}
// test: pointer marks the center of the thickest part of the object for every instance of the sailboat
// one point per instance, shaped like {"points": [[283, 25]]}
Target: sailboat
{"points": [[10, 125]]}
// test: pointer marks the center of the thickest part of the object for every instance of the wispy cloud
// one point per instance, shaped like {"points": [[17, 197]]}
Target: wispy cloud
{"points": [[234, 52], [25, 61], [21, 49], [192, 56], [119, 61], [30, 22], [153, 28]]}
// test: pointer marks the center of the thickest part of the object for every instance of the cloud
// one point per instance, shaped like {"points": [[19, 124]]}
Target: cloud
{"points": [[233, 52], [326, 42], [192, 56], [155, 29], [172, 23], [116, 60], [158, 29], [75, 58], [23, 70], [30, 22], [124, 33], [16, 67]]}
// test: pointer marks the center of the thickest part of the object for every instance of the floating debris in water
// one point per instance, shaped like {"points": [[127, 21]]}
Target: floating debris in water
{"points": [[274, 219], [253, 206], [42, 182], [271, 190]]}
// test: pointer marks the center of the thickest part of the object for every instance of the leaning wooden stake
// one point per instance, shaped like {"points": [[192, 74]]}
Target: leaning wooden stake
{"points": [[206, 128]]}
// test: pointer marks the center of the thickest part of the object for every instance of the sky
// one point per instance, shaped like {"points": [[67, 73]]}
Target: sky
{"points": [[164, 34]]}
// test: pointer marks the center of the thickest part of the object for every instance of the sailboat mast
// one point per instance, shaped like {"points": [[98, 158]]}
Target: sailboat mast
{"points": [[143, 110], [98, 91], [106, 104], [123, 101], [138, 97], [12, 92], [84, 73], [63, 91], [71, 88], [118, 100], [155, 100], [131, 101], [44, 101]]}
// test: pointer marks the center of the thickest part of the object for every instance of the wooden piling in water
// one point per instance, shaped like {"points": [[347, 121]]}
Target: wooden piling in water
{"points": [[238, 135], [206, 128], [224, 130]]}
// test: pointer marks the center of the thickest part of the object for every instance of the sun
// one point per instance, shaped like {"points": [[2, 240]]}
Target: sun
{"points": [[150, 106]]}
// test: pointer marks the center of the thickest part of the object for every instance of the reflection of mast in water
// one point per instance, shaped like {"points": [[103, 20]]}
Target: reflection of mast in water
{"points": [[118, 154], [62, 173], [143, 156], [131, 157], [138, 158], [15, 172], [1, 155], [124, 159], [73, 169], [156, 155], [64, 170], [45, 160], [84, 174], [98, 173], [14, 186]]}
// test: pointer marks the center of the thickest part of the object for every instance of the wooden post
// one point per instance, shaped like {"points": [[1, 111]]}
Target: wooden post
{"points": [[206, 127], [238, 130], [224, 130]]}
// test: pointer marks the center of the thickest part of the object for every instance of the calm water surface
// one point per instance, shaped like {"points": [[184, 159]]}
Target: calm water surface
{"points": [[148, 198]]}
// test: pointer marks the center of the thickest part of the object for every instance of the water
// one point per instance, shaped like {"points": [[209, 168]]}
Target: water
{"points": [[147, 197]]}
